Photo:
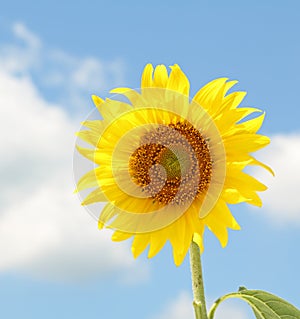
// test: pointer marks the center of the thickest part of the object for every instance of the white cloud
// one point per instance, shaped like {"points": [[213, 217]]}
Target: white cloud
{"points": [[36, 135], [25, 55], [44, 232], [69, 76], [182, 308], [49, 236], [282, 201], [26, 35], [230, 310]]}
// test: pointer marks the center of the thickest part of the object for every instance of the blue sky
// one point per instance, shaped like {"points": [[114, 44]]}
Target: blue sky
{"points": [[53, 56]]}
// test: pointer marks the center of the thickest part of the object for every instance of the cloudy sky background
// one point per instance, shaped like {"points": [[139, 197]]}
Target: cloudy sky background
{"points": [[53, 56]]}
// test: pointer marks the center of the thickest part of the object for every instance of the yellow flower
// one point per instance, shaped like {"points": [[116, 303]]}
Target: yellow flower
{"points": [[167, 166]]}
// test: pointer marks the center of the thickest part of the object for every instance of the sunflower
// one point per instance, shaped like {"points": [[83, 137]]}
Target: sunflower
{"points": [[167, 166]]}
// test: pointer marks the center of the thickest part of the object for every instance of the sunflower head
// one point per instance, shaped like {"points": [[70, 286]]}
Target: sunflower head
{"points": [[165, 165]]}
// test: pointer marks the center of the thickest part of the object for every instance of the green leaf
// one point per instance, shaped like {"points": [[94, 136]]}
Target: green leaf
{"points": [[263, 304]]}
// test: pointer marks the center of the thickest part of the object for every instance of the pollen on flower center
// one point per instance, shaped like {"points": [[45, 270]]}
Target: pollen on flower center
{"points": [[173, 164]]}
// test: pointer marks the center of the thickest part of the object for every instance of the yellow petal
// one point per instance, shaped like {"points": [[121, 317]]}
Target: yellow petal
{"points": [[225, 216], [139, 244], [95, 125], [207, 94], [180, 237], [237, 178], [244, 143], [97, 101], [218, 229], [233, 196], [226, 120], [157, 241], [111, 109], [243, 186], [133, 96], [88, 180], [146, 80], [255, 200], [95, 197], [254, 161], [100, 224], [229, 85], [120, 236], [109, 211], [178, 80], [251, 126], [93, 155], [160, 76], [89, 136], [219, 219], [233, 100]]}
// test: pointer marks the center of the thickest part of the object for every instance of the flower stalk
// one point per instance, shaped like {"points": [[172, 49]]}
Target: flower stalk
{"points": [[197, 282]]}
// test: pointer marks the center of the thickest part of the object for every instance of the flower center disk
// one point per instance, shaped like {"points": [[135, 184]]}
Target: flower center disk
{"points": [[173, 164]]}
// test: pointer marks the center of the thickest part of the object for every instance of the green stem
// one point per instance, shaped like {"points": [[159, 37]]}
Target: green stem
{"points": [[197, 282], [214, 307]]}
